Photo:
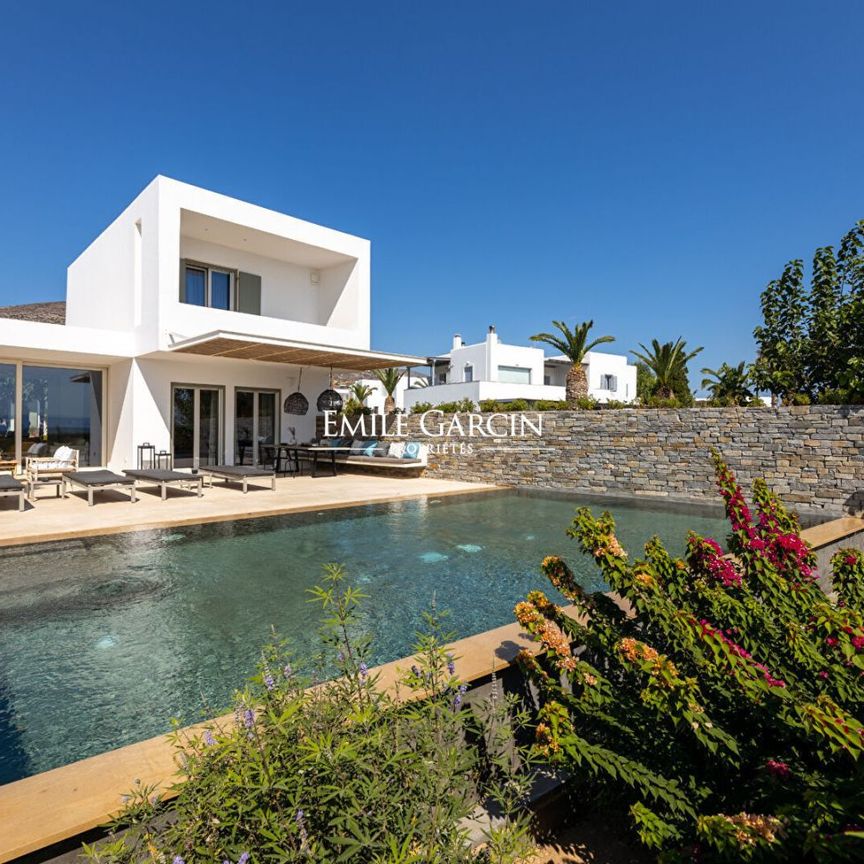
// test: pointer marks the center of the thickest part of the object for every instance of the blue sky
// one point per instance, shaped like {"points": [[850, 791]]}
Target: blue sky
{"points": [[650, 166]]}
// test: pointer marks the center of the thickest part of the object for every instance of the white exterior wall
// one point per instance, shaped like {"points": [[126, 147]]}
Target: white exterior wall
{"points": [[600, 364], [143, 389], [124, 284]]}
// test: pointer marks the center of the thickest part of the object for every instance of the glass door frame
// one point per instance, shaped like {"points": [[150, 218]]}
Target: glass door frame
{"points": [[277, 432], [196, 403], [19, 400]]}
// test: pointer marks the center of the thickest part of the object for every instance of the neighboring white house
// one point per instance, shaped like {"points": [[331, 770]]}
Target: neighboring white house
{"points": [[494, 370], [188, 321]]}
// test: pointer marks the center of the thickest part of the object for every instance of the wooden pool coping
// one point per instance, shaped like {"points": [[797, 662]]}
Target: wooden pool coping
{"points": [[56, 805]]}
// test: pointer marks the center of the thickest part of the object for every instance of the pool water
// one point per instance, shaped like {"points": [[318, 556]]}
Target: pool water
{"points": [[104, 640]]}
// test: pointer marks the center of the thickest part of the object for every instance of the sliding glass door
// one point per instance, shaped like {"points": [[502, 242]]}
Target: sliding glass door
{"points": [[8, 400], [196, 425], [256, 425]]}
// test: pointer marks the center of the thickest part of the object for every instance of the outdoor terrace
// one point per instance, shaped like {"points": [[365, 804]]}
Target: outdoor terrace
{"points": [[50, 518]]}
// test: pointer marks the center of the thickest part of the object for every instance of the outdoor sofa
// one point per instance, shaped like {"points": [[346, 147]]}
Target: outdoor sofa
{"points": [[239, 474], [163, 478], [10, 486], [374, 453], [96, 480]]}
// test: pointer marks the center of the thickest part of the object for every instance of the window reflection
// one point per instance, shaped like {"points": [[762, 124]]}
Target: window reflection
{"points": [[62, 407]]}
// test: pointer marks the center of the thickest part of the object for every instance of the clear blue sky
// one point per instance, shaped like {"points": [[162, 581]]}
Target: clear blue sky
{"points": [[647, 165]]}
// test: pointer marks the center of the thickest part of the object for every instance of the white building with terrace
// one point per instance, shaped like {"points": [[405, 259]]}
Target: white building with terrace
{"points": [[187, 323], [492, 369]]}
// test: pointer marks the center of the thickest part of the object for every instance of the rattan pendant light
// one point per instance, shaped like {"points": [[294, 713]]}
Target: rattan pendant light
{"points": [[296, 403], [330, 400]]}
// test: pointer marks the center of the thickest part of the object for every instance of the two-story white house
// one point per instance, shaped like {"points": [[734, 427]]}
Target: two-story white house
{"points": [[187, 323], [492, 369]]}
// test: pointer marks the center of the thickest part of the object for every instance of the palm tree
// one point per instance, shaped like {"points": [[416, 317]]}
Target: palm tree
{"points": [[389, 379], [728, 385], [668, 363], [574, 345], [360, 391]]}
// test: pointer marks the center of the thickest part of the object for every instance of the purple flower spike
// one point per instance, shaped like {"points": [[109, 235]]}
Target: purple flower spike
{"points": [[243, 858], [451, 665], [209, 740], [300, 818], [457, 701], [364, 672], [287, 671], [178, 860], [248, 718], [269, 683]]}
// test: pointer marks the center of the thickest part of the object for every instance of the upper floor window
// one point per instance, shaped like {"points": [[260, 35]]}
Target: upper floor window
{"points": [[469, 373], [203, 285], [609, 382]]}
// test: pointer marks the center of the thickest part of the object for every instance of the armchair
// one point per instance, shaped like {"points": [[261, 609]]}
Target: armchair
{"points": [[46, 470]]}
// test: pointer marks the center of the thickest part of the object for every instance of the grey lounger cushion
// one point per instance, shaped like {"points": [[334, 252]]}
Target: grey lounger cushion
{"points": [[160, 475], [99, 478], [238, 470], [9, 484]]}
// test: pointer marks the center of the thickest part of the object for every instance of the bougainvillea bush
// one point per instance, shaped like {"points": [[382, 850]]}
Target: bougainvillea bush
{"points": [[724, 708]]}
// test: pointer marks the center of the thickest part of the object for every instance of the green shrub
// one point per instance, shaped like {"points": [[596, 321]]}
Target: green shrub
{"points": [[490, 406], [463, 406], [613, 405], [726, 711], [659, 402], [550, 405], [421, 407], [339, 772], [587, 403]]}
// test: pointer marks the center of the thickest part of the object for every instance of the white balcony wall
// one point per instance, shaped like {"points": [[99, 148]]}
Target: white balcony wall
{"points": [[478, 391]]}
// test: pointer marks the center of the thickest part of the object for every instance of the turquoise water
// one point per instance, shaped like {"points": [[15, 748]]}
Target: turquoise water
{"points": [[104, 640]]}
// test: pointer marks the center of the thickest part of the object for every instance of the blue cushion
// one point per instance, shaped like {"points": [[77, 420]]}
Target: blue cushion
{"points": [[369, 449], [412, 450]]}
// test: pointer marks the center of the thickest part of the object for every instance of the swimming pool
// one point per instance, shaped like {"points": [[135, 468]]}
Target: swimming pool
{"points": [[104, 640]]}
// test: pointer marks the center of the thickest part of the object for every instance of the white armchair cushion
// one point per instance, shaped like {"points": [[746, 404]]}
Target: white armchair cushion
{"points": [[63, 454]]}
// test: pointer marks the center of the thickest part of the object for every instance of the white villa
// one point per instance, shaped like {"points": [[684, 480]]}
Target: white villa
{"points": [[494, 370], [187, 323]]}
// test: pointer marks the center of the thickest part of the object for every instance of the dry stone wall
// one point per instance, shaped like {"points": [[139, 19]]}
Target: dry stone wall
{"points": [[813, 456]]}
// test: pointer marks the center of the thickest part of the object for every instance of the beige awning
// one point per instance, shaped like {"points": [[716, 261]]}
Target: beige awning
{"points": [[239, 346]]}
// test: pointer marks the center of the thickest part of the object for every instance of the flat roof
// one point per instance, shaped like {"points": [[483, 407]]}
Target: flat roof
{"points": [[241, 346]]}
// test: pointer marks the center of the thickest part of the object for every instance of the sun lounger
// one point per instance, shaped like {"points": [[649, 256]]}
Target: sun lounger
{"points": [[93, 480], [239, 473], [10, 486], [164, 478]]}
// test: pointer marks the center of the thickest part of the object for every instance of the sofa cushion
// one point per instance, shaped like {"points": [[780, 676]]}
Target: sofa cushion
{"points": [[396, 449], [412, 450]]}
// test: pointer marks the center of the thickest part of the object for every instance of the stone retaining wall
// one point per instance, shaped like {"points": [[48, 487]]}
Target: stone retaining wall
{"points": [[812, 456]]}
